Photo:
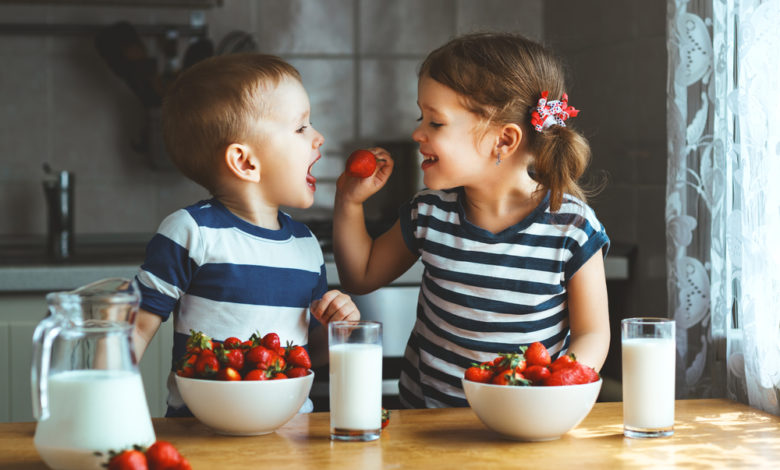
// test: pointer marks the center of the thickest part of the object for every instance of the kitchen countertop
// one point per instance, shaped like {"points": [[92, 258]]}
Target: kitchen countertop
{"points": [[25, 268], [713, 433]]}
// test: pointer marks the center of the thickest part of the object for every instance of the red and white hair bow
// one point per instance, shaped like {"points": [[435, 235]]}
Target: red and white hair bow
{"points": [[552, 113]]}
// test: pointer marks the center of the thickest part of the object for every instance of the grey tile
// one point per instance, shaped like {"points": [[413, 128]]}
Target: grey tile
{"points": [[24, 116], [388, 97], [124, 206], [615, 207], [23, 207], [305, 26], [405, 26], [173, 191], [231, 16], [525, 17], [330, 84]]}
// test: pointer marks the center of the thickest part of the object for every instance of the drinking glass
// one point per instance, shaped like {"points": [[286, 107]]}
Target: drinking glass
{"points": [[648, 346], [355, 353]]}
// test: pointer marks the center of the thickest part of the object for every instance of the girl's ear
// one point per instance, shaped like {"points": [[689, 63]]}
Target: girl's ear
{"points": [[509, 138], [242, 163]]}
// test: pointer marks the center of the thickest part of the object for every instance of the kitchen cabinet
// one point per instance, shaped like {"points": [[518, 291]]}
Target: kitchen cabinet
{"points": [[19, 315]]}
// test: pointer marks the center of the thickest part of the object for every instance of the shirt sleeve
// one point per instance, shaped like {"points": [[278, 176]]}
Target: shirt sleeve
{"points": [[592, 237], [170, 264]]}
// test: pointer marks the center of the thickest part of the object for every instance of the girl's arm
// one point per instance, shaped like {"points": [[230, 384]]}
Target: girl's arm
{"points": [[365, 264], [589, 313]]}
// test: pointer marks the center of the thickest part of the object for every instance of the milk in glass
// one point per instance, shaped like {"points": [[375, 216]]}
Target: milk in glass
{"points": [[355, 386], [648, 383]]}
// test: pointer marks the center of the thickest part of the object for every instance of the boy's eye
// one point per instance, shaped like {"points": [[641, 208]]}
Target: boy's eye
{"points": [[301, 129]]}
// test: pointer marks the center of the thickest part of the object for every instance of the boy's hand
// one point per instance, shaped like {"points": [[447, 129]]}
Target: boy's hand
{"points": [[335, 306], [355, 189]]}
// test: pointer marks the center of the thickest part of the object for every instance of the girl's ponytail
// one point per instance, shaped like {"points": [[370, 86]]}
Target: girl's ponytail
{"points": [[562, 155]]}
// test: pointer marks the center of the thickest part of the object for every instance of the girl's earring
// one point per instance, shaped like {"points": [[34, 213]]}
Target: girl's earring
{"points": [[498, 157]]}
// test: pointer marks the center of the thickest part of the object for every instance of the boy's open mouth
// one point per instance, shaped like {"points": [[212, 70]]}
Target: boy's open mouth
{"points": [[310, 179]]}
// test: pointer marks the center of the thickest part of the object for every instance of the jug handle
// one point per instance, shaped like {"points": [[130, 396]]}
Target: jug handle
{"points": [[43, 338]]}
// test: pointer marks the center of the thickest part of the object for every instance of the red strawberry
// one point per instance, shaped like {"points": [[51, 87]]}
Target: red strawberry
{"points": [[128, 460], [510, 377], [271, 341], [260, 357], [361, 164], [577, 374], [231, 358], [536, 354], [187, 365], [563, 362], [162, 455], [385, 417], [537, 374], [207, 364], [479, 373], [297, 372], [184, 464], [228, 374], [231, 343], [297, 356], [256, 374], [197, 342]]}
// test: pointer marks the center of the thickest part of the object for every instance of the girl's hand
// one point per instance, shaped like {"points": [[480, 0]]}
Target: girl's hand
{"points": [[335, 306], [357, 190]]}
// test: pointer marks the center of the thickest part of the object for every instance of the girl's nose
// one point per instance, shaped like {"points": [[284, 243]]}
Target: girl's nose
{"points": [[417, 134]]}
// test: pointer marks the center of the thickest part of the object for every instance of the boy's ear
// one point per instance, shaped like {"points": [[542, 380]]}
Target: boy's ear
{"points": [[242, 162], [509, 138]]}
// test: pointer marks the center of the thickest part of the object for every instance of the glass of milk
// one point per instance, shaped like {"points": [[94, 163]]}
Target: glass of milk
{"points": [[648, 346], [355, 354]]}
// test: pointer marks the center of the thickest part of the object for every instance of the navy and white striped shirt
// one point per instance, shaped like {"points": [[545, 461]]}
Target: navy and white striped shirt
{"points": [[485, 293], [226, 277]]}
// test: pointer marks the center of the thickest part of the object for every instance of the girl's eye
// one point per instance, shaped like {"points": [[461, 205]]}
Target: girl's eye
{"points": [[419, 118], [435, 125], [301, 129]]}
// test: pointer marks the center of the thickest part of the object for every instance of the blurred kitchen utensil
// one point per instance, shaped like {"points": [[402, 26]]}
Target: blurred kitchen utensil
{"points": [[121, 47], [236, 41], [200, 49], [58, 189]]}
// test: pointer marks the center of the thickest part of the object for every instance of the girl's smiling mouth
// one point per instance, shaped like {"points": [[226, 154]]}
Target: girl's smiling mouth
{"points": [[428, 160]]}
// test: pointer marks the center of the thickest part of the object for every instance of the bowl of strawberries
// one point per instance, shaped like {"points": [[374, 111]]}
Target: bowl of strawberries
{"points": [[244, 387], [526, 396]]}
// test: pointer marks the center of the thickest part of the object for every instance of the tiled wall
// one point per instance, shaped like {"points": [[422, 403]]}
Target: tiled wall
{"points": [[59, 103], [616, 52]]}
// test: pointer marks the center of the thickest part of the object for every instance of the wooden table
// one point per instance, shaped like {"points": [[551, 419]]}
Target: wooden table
{"points": [[708, 434]]}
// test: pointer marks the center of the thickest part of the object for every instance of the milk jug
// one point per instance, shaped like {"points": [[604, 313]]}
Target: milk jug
{"points": [[88, 397]]}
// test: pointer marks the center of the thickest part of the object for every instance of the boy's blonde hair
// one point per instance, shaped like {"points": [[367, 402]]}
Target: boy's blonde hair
{"points": [[500, 77], [216, 103]]}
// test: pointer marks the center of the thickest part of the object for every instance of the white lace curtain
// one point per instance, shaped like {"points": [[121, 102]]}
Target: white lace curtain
{"points": [[723, 198]]}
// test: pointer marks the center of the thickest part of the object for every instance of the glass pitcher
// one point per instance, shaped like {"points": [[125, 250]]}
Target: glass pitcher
{"points": [[88, 396]]}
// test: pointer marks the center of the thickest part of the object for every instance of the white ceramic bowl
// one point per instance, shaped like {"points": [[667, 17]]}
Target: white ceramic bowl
{"points": [[245, 408], [531, 413]]}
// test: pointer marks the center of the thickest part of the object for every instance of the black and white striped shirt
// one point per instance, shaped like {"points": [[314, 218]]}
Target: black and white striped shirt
{"points": [[484, 293]]}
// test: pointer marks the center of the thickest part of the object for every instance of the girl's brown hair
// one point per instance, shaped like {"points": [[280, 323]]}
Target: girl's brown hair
{"points": [[500, 77], [215, 103]]}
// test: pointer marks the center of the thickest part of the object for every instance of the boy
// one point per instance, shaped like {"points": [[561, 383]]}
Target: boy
{"points": [[238, 125]]}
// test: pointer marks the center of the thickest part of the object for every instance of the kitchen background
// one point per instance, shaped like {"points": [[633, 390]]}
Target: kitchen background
{"points": [[61, 104]]}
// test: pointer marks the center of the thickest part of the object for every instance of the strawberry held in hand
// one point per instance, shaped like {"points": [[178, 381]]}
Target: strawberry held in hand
{"points": [[361, 164]]}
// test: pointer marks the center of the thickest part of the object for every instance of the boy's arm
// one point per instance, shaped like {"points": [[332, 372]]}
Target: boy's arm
{"points": [[146, 325], [589, 313]]}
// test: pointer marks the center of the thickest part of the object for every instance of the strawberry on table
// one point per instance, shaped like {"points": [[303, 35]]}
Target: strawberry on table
{"points": [[128, 460], [162, 455]]}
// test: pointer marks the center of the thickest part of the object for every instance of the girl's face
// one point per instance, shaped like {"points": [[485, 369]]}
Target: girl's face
{"points": [[288, 146], [453, 154]]}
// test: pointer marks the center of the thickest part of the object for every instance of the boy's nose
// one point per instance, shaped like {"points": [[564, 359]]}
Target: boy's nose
{"points": [[417, 134], [319, 139]]}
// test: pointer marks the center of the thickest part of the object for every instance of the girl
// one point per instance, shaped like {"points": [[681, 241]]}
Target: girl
{"points": [[508, 243]]}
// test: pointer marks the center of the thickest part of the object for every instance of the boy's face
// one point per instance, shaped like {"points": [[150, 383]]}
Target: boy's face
{"points": [[287, 146]]}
